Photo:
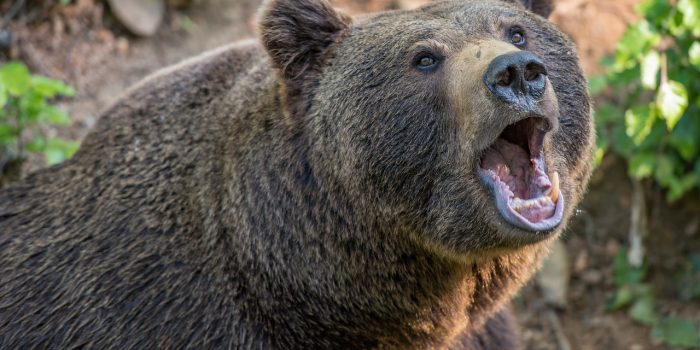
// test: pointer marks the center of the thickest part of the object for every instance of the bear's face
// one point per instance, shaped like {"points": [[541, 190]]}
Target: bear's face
{"points": [[464, 124]]}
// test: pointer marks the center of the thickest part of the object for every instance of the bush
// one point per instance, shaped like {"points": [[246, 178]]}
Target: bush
{"points": [[654, 78], [24, 107], [638, 298]]}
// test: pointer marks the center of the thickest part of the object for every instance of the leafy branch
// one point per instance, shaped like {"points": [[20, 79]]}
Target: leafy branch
{"points": [[24, 106], [654, 74]]}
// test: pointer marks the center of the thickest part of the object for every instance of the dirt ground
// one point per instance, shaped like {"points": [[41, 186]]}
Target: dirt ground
{"points": [[74, 45]]}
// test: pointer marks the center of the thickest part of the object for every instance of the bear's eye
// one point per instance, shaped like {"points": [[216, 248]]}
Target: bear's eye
{"points": [[517, 37], [426, 62]]}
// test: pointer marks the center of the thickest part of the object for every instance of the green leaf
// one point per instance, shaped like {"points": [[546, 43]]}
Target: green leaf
{"points": [[655, 138], [602, 146], [665, 170], [653, 9], [679, 187], [638, 123], [643, 310], [672, 100], [625, 77], [642, 165], [694, 54], [50, 88], [637, 39], [15, 77], [688, 279], [651, 63], [623, 297], [3, 96], [691, 15], [622, 144], [623, 272], [608, 113], [7, 134], [30, 106], [684, 137], [54, 155], [695, 263], [53, 115], [596, 84], [676, 331], [187, 24], [37, 144], [58, 150]]}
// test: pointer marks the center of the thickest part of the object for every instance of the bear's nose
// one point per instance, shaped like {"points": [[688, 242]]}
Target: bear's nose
{"points": [[517, 78]]}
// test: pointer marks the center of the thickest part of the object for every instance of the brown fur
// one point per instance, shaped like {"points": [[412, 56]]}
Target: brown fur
{"points": [[312, 192]]}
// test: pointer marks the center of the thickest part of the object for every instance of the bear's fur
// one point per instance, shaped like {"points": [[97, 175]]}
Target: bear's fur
{"points": [[313, 192]]}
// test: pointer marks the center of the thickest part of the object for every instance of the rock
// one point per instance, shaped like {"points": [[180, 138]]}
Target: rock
{"points": [[553, 278], [141, 17]]}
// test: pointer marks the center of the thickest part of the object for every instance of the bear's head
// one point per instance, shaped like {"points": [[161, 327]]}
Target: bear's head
{"points": [[463, 125]]}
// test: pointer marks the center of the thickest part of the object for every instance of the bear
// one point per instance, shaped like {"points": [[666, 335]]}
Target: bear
{"points": [[386, 181]]}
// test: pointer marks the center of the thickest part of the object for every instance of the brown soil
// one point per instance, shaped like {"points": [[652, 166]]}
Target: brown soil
{"points": [[595, 26], [72, 44]]}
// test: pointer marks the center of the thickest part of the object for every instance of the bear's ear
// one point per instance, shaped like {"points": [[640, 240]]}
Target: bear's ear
{"points": [[296, 33], [541, 7]]}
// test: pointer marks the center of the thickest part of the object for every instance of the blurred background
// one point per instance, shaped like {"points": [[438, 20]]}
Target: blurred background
{"points": [[626, 274]]}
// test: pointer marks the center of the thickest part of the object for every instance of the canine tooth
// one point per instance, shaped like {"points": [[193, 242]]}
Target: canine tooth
{"points": [[554, 195]]}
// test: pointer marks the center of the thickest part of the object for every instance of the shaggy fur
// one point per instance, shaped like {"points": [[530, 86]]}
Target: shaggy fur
{"points": [[313, 192]]}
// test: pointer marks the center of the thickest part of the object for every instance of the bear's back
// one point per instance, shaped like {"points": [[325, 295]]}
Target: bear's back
{"points": [[107, 250]]}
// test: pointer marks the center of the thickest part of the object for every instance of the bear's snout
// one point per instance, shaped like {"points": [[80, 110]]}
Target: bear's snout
{"points": [[517, 78]]}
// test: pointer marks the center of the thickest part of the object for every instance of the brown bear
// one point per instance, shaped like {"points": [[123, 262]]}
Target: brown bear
{"points": [[387, 181]]}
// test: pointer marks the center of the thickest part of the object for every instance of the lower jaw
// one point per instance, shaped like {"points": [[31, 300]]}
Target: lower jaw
{"points": [[514, 218]]}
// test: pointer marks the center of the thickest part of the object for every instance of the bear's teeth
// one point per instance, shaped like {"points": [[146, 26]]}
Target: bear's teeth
{"points": [[520, 205], [554, 195]]}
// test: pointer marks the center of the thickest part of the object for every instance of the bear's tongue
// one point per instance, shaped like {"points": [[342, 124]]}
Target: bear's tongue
{"points": [[522, 179]]}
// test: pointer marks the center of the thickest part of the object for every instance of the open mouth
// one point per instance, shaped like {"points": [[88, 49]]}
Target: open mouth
{"points": [[513, 167]]}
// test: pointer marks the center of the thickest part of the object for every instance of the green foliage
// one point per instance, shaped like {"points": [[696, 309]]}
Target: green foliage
{"points": [[688, 279], [629, 280], [676, 331], [638, 298], [24, 107], [654, 79], [655, 73]]}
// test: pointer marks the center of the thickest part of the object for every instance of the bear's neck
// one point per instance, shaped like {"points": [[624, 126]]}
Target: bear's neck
{"points": [[326, 273]]}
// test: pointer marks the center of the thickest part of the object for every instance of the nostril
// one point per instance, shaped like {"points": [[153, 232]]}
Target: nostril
{"points": [[533, 71], [506, 77]]}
